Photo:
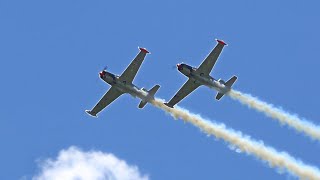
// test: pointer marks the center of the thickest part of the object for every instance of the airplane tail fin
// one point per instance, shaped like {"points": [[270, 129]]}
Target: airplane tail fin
{"points": [[151, 94], [229, 84]]}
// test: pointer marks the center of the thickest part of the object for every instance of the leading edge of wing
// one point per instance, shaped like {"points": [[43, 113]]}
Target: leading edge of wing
{"points": [[208, 63], [130, 72]]}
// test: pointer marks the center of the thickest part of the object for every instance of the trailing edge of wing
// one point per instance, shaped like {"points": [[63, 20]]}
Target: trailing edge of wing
{"points": [[207, 65], [131, 71]]}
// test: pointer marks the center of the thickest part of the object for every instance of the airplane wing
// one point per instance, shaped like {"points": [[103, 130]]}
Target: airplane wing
{"points": [[131, 71], [184, 91], [207, 65], [108, 98]]}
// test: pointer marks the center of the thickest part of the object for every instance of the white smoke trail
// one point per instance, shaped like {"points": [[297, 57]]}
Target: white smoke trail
{"points": [[275, 159], [269, 110]]}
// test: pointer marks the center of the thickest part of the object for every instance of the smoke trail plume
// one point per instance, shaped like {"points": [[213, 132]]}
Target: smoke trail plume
{"points": [[283, 117], [275, 159]]}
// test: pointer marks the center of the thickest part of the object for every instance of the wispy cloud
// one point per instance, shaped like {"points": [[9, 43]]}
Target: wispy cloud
{"points": [[75, 164]]}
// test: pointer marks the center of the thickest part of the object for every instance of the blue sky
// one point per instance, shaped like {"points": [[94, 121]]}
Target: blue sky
{"points": [[52, 51]]}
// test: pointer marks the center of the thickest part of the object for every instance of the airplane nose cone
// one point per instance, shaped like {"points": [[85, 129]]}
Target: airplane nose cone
{"points": [[179, 66], [102, 73]]}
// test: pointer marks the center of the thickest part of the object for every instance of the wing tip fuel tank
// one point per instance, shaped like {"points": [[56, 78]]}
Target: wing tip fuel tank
{"points": [[221, 42], [144, 50]]}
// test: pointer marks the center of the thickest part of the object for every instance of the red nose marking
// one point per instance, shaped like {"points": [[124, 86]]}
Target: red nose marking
{"points": [[102, 73], [179, 66]]}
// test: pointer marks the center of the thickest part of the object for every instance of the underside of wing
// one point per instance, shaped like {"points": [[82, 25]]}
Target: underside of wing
{"points": [[129, 74], [108, 98], [207, 65], [183, 92]]}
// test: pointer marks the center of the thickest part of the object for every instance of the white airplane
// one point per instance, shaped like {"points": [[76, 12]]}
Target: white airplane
{"points": [[200, 76], [123, 84]]}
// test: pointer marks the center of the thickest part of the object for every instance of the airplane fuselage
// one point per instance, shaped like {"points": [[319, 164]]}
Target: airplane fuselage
{"points": [[125, 87], [202, 79]]}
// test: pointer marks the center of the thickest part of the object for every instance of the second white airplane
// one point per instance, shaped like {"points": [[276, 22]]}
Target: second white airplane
{"points": [[200, 76]]}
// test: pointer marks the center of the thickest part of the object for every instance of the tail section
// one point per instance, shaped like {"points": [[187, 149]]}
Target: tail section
{"points": [[142, 104], [153, 90], [219, 96], [150, 96], [228, 85], [231, 81]]}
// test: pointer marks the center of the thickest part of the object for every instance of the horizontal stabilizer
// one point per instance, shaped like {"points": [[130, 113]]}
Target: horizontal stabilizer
{"points": [[219, 96], [231, 81], [153, 90], [150, 96], [142, 104], [228, 84]]}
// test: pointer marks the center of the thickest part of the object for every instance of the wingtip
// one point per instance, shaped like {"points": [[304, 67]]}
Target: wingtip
{"points": [[144, 50], [169, 105], [91, 114], [221, 42]]}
